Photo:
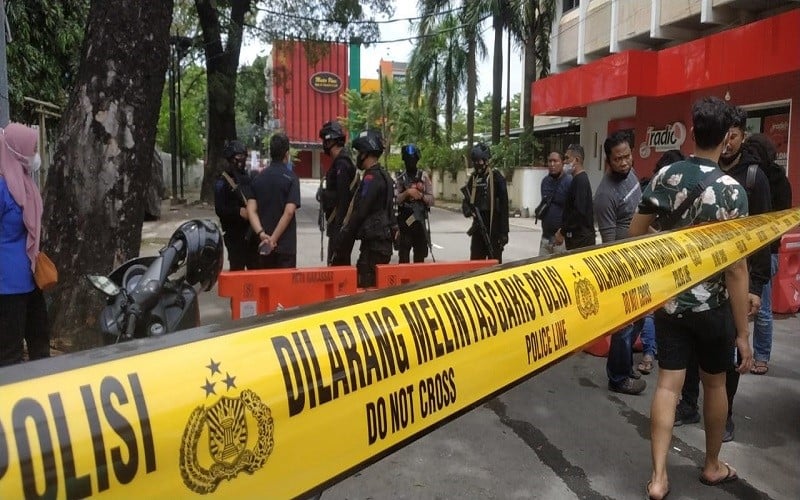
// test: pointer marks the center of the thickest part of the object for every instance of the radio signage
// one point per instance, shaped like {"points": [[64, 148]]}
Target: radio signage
{"points": [[670, 137], [325, 82]]}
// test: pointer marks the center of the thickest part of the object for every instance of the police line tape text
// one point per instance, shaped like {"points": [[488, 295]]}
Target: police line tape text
{"points": [[375, 345], [49, 469], [432, 393]]}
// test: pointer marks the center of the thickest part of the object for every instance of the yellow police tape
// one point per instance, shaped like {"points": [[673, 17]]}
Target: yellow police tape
{"points": [[285, 406]]}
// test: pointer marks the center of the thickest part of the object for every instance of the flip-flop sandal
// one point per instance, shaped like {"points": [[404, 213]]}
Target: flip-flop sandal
{"points": [[648, 496], [645, 365], [760, 368], [730, 476]]}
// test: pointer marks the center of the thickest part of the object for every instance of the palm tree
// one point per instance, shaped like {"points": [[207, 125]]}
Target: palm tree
{"points": [[531, 29], [436, 70], [470, 18]]}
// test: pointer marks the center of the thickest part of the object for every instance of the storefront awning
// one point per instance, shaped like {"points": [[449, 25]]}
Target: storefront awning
{"points": [[756, 50]]}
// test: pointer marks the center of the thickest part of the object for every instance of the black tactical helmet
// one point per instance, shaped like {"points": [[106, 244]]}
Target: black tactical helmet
{"points": [[369, 142], [410, 152], [233, 148], [332, 131], [480, 151], [202, 253]]}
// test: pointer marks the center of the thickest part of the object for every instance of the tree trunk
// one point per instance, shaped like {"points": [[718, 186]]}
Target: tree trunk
{"points": [[472, 86], [497, 77], [94, 200], [529, 73], [222, 63]]}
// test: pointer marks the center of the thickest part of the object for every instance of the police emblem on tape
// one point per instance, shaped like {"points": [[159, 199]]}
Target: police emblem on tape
{"points": [[224, 427], [586, 297]]}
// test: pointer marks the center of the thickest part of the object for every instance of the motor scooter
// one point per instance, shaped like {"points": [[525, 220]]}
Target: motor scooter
{"points": [[153, 296]]}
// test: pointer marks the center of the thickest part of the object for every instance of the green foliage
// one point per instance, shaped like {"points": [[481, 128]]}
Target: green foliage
{"points": [[509, 154], [44, 53], [193, 115], [324, 21], [251, 104]]}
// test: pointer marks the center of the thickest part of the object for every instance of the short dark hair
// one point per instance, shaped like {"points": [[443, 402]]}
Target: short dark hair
{"points": [[615, 140], [711, 120], [559, 153], [739, 117], [278, 146], [577, 149]]}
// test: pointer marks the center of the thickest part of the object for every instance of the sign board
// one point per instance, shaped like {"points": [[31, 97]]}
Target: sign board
{"points": [[670, 137], [325, 82]]}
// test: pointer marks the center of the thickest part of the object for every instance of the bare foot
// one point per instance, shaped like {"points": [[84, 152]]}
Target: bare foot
{"points": [[722, 473], [657, 491]]}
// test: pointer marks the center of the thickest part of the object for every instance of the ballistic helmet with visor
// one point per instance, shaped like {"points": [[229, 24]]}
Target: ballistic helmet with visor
{"points": [[479, 152], [233, 148], [410, 152], [370, 142], [202, 251], [332, 131]]}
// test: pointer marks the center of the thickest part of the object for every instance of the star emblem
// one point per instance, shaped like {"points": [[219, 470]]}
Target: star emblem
{"points": [[229, 381], [208, 387], [214, 367]]}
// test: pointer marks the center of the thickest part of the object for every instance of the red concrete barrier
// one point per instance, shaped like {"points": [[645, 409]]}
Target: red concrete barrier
{"points": [[786, 284], [263, 291], [387, 275]]}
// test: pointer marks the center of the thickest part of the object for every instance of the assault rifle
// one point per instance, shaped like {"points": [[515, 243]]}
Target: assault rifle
{"points": [[476, 216], [321, 220]]}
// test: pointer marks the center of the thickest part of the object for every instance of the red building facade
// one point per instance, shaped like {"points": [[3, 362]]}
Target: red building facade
{"points": [[756, 66], [307, 87]]}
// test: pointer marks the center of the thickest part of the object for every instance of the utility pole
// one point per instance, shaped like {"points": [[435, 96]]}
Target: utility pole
{"points": [[5, 112]]}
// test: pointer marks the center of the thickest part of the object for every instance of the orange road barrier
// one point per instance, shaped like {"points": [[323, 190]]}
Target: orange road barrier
{"points": [[786, 284], [601, 346], [387, 275], [263, 291]]}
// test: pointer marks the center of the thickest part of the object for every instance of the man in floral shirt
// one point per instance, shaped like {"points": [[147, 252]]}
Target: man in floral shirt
{"points": [[703, 321]]}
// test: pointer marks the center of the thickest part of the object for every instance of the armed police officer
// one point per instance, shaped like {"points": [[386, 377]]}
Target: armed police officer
{"points": [[231, 190], [340, 183], [414, 196], [371, 219], [486, 201]]}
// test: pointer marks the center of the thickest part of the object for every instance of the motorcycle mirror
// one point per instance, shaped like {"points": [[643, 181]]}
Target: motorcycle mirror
{"points": [[103, 284]]}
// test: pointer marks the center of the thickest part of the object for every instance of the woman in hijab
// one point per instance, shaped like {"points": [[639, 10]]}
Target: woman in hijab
{"points": [[23, 314]]}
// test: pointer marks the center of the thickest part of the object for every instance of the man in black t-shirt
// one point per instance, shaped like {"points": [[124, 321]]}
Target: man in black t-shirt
{"points": [[577, 227], [271, 207]]}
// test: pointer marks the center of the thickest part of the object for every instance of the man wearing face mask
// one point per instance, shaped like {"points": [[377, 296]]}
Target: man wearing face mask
{"points": [[340, 184], [615, 203], [554, 196], [371, 218], [231, 191], [414, 194], [577, 226], [488, 193]]}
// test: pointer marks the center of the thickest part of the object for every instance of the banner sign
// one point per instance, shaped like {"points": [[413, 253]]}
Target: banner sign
{"points": [[299, 399]]}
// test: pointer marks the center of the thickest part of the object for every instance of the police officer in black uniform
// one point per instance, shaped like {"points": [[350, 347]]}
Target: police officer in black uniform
{"points": [[231, 191], [414, 195], [340, 183], [488, 193], [372, 218]]}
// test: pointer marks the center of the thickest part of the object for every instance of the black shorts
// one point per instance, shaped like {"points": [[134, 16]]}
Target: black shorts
{"points": [[709, 336]]}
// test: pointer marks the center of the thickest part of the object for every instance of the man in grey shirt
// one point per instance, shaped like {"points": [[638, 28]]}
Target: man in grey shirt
{"points": [[615, 203]]}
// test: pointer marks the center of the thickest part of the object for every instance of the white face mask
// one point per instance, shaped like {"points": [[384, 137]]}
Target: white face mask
{"points": [[568, 168], [35, 163]]}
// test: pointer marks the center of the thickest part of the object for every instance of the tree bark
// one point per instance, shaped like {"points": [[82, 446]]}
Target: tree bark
{"points": [[222, 63], [497, 76], [472, 85], [94, 199]]}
